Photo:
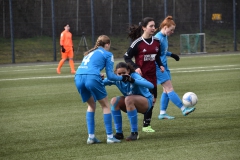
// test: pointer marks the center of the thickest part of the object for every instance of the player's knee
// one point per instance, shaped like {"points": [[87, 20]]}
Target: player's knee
{"points": [[114, 103], [128, 100]]}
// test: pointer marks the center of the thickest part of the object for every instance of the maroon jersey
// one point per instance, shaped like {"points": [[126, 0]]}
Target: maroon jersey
{"points": [[146, 52]]}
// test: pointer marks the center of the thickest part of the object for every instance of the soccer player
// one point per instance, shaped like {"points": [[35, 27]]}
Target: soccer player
{"points": [[167, 28], [66, 49], [145, 48], [136, 98], [90, 86]]}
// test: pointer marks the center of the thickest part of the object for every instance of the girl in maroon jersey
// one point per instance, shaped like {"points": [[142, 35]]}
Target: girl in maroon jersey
{"points": [[146, 50]]}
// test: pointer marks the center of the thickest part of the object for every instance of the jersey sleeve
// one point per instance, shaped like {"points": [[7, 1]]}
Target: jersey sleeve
{"points": [[140, 81], [158, 59], [107, 82], [129, 55], [168, 53], [109, 69], [62, 39]]}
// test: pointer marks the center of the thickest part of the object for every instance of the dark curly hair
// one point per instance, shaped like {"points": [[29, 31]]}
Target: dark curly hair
{"points": [[125, 65]]}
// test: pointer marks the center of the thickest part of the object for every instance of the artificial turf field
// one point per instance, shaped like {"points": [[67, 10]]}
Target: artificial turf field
{"points": [[42, 116]]}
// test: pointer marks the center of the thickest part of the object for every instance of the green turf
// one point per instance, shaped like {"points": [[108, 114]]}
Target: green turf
{"points": [[42, 116]]}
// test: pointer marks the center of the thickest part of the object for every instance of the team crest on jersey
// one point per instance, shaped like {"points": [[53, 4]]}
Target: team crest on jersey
{"points": [[157, 49]]}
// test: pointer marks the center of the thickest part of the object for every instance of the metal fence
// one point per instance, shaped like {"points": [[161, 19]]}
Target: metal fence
{"points": [[31, 28]]}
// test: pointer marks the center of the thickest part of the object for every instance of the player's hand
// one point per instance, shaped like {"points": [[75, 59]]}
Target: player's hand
{"points": [[63, 49], [125, 78], [131, 80], [138, 70], [102, 75], [162, 68], [175, 56]]}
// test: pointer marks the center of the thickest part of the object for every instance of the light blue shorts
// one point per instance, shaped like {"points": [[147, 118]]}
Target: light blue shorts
{"points": [[90, 85], [163, 77]]}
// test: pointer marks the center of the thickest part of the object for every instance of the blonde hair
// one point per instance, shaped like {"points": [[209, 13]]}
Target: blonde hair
{"points": [[101, 41], [168, 21]]}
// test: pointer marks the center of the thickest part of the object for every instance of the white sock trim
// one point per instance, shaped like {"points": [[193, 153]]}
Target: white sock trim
{"points": [[182, 108], [91, 135], [162, 112], [110, 136]]}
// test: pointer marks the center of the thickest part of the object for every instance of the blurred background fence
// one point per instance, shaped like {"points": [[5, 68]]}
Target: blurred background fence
{"points": [[30, 29]]}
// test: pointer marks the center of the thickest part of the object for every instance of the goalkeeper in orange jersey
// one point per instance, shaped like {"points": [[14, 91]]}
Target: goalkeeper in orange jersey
{"points": [[66, 49]]}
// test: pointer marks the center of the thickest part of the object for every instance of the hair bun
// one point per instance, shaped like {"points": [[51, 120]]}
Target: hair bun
{"points": [[169, 17]]}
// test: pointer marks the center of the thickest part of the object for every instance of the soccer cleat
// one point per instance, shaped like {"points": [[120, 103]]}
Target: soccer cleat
{"points": [[148, 129], [73, 72], [58, 71], [113, 140], [119, 136], [188, 110], [92, 140], [134, 136], [165, 116]]}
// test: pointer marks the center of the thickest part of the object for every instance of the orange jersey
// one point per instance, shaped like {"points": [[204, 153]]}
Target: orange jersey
{"points": [[66, 39]]}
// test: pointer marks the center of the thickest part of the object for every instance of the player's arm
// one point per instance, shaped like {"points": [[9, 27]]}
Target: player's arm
{"points": [[154, 93], [158, 61], [107, 82], [109, 71], [129, 55], [140, 81], [62, 39], [174, 56], [168, 53]]}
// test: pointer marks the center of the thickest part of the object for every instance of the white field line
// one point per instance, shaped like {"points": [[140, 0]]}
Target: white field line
{"points": [[206, 70], [29, 78], [23, 70], [223, 66], [176, 70], [116, 60]]}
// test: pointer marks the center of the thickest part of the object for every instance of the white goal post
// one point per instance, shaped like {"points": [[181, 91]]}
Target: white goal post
{"points": [[192, 43]]}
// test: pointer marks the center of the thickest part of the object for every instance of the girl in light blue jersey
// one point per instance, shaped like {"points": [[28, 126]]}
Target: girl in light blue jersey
{"points": [[167, 28], [136, 98], [90, 85]]}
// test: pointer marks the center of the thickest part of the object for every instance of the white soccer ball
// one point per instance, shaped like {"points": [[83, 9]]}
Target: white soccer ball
{"points": [[189, 99]]}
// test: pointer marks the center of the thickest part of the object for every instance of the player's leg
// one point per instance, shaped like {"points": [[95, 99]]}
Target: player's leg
{"points": [[99, 93], [61, 62], [134, 104], [90, 118], [117, 103], [164, 100], [148, 116], [90, 114], [173, 96], [107, 118], [71, 62]]}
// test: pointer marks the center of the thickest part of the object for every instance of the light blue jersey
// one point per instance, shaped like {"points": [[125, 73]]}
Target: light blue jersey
{"points": [[94, 63], [164, 48], [88, 79], [140, 87], [163, 77]]}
